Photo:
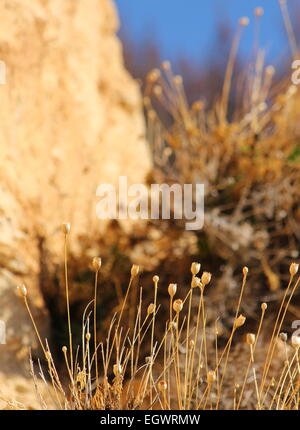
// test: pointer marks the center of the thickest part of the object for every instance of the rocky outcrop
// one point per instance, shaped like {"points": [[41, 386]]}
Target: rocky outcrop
{"points": [[71, 119]]}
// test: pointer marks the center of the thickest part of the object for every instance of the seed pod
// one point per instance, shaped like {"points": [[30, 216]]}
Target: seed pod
{"points": [[151, 114], [296, 341], [195, 268], [96, 263], [162, 386], [259, 11], [166, 65], [264, 306], [153, 75], [172, 288], [239, 321], [88, 336], [294, 267], [155, 279], [64, 349], [211, 376], [244, 21], [192, 343], [283, 337], [178, 80], [196, 282], [245, 270], [151, 309], [197, 106], [117, 369], [22, 290], [157, 90], [270, 70], [66, 227], [250, 339], [178, 305], [134, 270], [205, 278]]}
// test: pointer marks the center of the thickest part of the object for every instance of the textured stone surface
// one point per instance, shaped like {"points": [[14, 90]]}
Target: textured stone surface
{"points": [[71, 119]]}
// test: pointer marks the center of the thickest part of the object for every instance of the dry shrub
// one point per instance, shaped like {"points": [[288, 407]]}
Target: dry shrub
{"points": [[248, 158]]}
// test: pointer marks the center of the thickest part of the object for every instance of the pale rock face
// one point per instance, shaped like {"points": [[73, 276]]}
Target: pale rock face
{"points": [[71, 119]]}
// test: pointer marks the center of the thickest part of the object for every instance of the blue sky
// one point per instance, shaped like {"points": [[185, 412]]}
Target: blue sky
{"points": [[187, 26]]}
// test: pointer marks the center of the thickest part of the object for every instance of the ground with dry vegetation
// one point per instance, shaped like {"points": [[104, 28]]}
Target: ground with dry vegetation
{"points": [[192, 364], [221, 337]]}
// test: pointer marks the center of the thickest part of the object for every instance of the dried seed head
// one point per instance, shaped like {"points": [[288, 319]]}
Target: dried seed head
{"points": [[264, 306], [245, 270], [96, 263], [294, 267], [296, 341], [151, 114], [172, 288], [178, 80], [283, 337], [151, 309], [64, 349], [250, 339], [134, 270], [195, 268], [239, 321], [66, 227], [148, 359], [192, 343], [166, 65], [198, 105], [117, 369], [157, 90], [88, 336], [155, 279], [259, 11], [178, 305], [244, 21], [270, 70], [162, 386], [211, 376], [153, 75], [205, 278], [22, 290], [196, 282]]}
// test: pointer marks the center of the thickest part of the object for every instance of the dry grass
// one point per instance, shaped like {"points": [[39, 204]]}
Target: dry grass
{"points": [[245, 149], [189, 366]]}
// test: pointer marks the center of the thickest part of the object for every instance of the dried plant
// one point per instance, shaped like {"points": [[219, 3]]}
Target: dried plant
{"points": [[187, 368], [248, 160]]}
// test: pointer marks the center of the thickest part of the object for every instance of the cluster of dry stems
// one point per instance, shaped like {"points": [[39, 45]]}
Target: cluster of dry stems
{"points": [[185, 369]]}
